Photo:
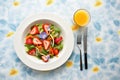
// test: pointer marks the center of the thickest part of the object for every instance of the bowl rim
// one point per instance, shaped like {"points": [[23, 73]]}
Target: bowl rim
{"points": [[68, 48]]}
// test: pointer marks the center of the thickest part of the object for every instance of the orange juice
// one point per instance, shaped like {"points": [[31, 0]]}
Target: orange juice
{"points": [[81, 17]]}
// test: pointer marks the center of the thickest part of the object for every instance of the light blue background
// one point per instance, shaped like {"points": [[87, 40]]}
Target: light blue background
{"points": [[105, 23]]}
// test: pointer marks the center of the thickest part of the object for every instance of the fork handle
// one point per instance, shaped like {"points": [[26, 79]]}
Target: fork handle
{"points": [[85, 59]]}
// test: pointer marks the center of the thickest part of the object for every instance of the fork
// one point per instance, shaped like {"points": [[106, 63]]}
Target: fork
{"points": [[79, 39]]}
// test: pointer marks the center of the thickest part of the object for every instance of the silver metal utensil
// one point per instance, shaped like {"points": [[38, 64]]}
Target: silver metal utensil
{"points": [[85, 47], [79, 38]]}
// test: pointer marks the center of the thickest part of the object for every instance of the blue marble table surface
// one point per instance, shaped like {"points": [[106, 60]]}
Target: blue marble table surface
{"points": [[103, 39]]}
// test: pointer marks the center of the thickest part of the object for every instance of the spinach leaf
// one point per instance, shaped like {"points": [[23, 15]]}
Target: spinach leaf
{"points": [[59, 47]]}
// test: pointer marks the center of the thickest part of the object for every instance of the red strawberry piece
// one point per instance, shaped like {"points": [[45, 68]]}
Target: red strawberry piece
{"points": [[58, 40], [55, 51], [34, 30], [46, 28], [36, 41], [32, 52], [46, 44], [29, 41], [45, 58]]}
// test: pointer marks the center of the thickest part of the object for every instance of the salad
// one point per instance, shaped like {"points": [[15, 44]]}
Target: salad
{"points": [[44, 41]]}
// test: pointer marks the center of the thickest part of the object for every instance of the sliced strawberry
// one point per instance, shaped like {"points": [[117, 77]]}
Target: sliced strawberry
{"points": [[58, 40], [36, 41], [34, 30], [46, 44], [32, 52], [45, 58], [46, 28], [29, 41]]}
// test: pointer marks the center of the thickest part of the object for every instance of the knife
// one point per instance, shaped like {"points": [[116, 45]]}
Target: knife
{"points": [[85, 47]]}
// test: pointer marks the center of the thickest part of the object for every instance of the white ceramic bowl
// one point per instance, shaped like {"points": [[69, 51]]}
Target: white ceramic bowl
{"points": [[33, 62]]}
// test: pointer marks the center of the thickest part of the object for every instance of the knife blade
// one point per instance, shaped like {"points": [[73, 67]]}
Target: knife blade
{"points": [[85, 47]]}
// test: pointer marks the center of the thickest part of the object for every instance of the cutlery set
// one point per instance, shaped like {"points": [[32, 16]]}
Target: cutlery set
{"points": [[83, 36]]}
